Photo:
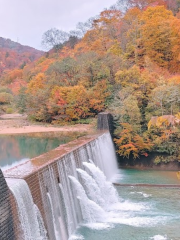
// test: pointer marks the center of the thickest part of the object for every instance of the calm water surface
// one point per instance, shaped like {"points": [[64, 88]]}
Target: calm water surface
{"points": [[133, 176], [19, 148]]}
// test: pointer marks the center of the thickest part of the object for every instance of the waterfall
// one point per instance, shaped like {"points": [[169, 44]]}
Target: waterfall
{"points": [[103, 155], [98, 198], [27, 211], [92, 189], [107, 190], [53, 204], [91, 211], [85, 196], [57, 234], [42, 228], [64, 212], [73, 190], [66, 167]]}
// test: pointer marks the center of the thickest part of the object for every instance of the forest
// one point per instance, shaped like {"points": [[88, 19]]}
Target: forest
{"points": [[125, 61]]}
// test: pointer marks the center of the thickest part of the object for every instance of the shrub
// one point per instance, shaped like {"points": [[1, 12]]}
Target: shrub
{"points": [[9, 110], [5, 98]]}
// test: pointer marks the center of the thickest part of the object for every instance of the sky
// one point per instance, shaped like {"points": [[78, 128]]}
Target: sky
{"points": [[25, 21]]}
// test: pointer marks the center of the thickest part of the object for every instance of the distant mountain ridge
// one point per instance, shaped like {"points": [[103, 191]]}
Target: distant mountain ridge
{"points": [[14, 55]]}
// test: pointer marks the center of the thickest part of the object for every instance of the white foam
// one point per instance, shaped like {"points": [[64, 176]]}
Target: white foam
{"points": [[91, 211], [144, 194], [76, 237], [129, 206], [159, 237], [138, 221], [99, 226], [117, 178]]}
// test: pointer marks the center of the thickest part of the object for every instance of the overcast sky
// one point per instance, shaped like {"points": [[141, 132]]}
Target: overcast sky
{"points": [[26, 20]]}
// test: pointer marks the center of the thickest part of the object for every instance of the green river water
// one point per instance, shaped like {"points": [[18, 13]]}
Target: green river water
{"points": [[143, 213], [15, 149]]}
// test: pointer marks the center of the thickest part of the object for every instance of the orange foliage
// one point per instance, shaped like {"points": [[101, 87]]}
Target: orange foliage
{"points": [[161, 37], [130, 143], [174, 80], [14, 55], [108, 17], [98, 96], [70, 103], [16, 85], [36, 83], [105, 31], [12, 75]]}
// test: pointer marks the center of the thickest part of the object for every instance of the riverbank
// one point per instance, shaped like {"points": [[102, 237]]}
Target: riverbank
{"points": [[18, 123], [148, 163]]}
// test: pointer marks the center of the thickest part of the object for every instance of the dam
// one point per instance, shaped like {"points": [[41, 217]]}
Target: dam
{"points": [[47, 197], [67, 194]]}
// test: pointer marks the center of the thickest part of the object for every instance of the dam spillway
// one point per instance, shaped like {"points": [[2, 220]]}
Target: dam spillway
{"points": [[50, 183]]}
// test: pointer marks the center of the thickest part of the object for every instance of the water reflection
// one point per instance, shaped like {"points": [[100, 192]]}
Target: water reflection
{"points": [[135, 176], [19, 148]]}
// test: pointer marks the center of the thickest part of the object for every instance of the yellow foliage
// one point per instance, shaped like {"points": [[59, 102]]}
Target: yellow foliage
{"points": [[161, 121], [115, 48], [128, 77], [73, 100], [129, 142], [36, 83], [177, 115]]}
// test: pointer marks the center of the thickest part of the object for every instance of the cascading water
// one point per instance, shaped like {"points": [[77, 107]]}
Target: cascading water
{"points": [[42, 228], [57, 234], [63, 209], [91, 211], [84, 200], [98, 198], [55, 218], [107, 190], [92, 189], [70, 196], [102, 151], [27, 211], [76, 194], [67, 167]]}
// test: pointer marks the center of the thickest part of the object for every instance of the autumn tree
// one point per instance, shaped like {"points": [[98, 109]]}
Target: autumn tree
{"points": [[106, 27], [5, 98], [160, 37], [164, 100], [141, 4], [69, 103], [63, 73], [130, 143], [99, 96], [37, 82], [36, 106]]}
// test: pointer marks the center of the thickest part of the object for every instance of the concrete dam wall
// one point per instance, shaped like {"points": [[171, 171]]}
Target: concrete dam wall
{"points": [[38, 199]]}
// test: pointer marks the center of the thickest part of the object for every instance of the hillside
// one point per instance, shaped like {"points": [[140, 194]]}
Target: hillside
{"points": [[127, 63], [14, 55]]}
